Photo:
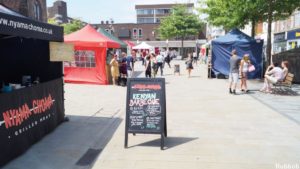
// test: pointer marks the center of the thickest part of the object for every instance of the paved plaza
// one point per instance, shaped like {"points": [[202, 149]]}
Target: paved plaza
{"points": [[207, 129]]}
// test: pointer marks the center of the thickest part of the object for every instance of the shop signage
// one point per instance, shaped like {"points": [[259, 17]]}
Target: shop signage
{"points": [[294, 34], [60, 52], [146, 107], [279, 37], [27, 115]]}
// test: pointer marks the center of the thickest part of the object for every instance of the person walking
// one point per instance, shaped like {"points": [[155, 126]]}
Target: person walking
{"points": [[154, 64], [189, 64], [168, 59], [130, 64], [114, 69], [148, 66], [233, 72], [160, 63], [195, 59], [244, 66]]}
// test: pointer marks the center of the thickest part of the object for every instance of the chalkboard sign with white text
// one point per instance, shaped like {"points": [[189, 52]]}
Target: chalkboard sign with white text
{"points": [[146, 107]]}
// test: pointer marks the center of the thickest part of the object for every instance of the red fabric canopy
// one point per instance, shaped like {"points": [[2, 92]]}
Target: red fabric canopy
{"points": [[88, 36]]}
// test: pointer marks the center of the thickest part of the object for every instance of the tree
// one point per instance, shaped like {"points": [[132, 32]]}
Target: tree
{"points": [[52, 21], [238, 13], [180, 23], [231, 14], [75, 25], [276, 10]]}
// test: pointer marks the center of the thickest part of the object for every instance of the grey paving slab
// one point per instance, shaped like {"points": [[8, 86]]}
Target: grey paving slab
{"points": [[207, 129]]}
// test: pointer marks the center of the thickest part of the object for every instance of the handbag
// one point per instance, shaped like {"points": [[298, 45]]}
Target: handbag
{"points": [[251, 68]]}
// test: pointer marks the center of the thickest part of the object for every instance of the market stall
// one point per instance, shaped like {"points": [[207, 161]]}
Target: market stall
{"points": [[235, 39], [31, 97], [89, 65]]}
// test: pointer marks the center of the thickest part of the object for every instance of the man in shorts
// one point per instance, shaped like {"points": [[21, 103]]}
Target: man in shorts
{"points": [[233, 72]]}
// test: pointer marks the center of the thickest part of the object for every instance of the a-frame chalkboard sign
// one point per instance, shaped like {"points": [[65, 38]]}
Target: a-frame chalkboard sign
{"points": [[146, 107]]}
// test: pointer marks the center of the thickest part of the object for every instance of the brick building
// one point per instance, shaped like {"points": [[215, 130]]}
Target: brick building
{"points": [[59, 12], [131, 31], [148, 20], [35, 9]]}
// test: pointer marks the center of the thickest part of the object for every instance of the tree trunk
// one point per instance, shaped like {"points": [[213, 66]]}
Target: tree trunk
{"points": [[181, 51], [253, 28], [270, 20]]}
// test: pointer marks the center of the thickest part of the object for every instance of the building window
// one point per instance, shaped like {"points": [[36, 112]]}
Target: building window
{"points": [[140, 33], [83, 59], [37, 10], [162, 11], [145, 20], [134, 33], [145, 11]]}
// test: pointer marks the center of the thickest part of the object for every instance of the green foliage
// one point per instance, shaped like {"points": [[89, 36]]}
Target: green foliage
{"points": [[230, 13], [179, 24], [52, 21], [237, 13], [75, 25]]}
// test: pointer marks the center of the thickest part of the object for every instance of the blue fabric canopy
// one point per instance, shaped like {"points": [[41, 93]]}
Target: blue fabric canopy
{"points": [[244, 44]]}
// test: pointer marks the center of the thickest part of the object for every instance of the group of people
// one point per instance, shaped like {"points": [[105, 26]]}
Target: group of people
{"points": [[156, 62], [239, 68], [123, 67]]}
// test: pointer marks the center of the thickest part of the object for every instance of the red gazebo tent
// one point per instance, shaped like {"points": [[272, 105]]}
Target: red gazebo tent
{"points": [[89, 62]]}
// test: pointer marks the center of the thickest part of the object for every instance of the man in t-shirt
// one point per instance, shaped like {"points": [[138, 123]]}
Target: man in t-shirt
{"points": [[233, 72], [130, 64], [160, 63]]}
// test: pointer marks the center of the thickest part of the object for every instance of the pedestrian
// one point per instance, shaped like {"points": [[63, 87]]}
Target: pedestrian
{"points": [[168, 59], [244, 67], [189, 64], [114, 69], [195, 59], [148, 66], [233, 72], [123, 65], [160, 63], [154, 65], [130, 64]]}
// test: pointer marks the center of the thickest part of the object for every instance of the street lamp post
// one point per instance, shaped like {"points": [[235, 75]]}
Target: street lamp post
{"points": [[167, 41]]}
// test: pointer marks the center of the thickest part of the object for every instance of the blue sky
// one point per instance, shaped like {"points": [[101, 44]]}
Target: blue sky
{"points": [[121, 11]]}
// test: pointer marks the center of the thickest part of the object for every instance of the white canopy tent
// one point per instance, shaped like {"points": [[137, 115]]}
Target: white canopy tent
{"points": [[143, 45]]}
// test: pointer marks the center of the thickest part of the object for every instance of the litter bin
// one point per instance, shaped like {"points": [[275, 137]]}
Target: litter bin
{"points": [[177, 69]]}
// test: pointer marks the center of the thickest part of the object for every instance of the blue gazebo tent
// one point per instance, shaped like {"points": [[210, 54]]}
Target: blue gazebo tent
{"points": [[244, 44]]}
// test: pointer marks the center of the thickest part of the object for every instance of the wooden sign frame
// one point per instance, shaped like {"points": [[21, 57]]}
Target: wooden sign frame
{"points": [[147, 84]]}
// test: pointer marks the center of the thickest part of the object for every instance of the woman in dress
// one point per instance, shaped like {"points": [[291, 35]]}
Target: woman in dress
{"points": [[244, 66], [114, 69]]}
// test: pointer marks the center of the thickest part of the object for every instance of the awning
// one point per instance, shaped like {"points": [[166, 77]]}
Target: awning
{"points": [[15, 24], [88, 36], [143, 45]]}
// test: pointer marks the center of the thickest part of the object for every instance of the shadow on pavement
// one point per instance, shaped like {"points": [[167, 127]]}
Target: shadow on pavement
{"points": [[138, 74], [74, 144], [170, 142]]}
